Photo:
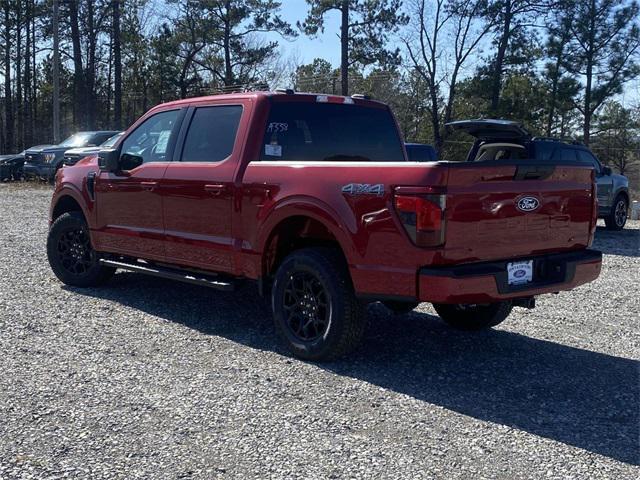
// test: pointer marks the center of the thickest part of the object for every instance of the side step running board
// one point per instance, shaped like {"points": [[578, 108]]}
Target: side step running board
{"points": [[172, 274]]}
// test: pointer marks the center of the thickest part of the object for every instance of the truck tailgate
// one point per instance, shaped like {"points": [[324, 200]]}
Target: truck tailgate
{"points": [[499, 211]]}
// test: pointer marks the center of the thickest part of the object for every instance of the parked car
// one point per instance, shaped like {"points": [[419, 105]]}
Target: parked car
{"points": [[507, 140], [72, 155], [11, 166], [312, 197], [420, 152], [46, 161]]}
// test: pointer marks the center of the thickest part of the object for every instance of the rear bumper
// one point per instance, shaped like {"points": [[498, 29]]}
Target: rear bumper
{"points": [[487, 281]]}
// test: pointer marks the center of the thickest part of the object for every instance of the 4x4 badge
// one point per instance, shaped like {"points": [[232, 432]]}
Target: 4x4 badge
{"points": [[364, 189]]}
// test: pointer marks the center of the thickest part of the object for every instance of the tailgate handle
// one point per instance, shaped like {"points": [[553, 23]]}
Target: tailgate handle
{"points": [[533, 172]]}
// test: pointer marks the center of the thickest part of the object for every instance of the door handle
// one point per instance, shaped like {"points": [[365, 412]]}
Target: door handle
{"points": [[149, 185], [214, 189]]}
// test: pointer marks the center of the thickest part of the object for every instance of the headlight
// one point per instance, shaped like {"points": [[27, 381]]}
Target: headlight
{"points": [[49, 157]]}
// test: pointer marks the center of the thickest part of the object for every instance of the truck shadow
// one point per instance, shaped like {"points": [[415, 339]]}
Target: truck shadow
{"points": [[625, 242], [571, 395]]}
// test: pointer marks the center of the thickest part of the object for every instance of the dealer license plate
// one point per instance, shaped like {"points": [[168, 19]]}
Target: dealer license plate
{"points": [[520, 273]]}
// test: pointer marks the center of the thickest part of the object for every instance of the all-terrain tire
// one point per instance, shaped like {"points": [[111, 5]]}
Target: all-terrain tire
{"points": [[71, 255], [315, 310]]}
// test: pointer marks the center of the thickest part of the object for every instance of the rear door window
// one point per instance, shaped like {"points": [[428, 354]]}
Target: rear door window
{"points": [[317, 132], [212, 133]]}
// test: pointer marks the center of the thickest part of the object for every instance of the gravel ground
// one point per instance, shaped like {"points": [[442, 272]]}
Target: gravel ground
{"points": [[145, 378]]}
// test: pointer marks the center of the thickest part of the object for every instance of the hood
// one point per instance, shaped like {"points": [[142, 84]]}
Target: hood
{"points": [[619, 179], [82, 150], [38, 148], [88, 160], [490, 129]]}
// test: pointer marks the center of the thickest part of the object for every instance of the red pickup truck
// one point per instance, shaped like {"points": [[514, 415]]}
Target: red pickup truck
{"points": [[312, 197]]}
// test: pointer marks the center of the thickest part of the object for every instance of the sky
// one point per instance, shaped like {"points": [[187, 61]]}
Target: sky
{"points": [[326, 45]]}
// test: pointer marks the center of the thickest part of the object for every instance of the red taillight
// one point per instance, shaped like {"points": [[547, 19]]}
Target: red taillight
{"points": [[422, 215]]}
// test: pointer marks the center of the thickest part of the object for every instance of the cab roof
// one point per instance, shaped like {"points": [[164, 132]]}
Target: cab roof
{"points": [[295, 96]]}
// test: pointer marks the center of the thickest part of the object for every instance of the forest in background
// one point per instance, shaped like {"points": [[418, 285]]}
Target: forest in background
{"points": [[565, 68]]}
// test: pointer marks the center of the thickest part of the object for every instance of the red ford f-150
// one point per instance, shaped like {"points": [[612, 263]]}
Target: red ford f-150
{"points": [[312, 197]]}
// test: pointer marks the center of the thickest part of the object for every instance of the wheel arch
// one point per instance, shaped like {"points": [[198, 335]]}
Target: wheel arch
{"points": [[300, 225], [66, 200], [625, 193]]}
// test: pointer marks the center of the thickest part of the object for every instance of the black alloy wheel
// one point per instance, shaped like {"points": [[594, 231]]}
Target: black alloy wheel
{"points": [[315, 310], [71, 255], [306, 306]]}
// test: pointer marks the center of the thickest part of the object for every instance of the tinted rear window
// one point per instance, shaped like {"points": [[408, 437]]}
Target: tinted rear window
{"points": [[330, 132], [211, 134]]}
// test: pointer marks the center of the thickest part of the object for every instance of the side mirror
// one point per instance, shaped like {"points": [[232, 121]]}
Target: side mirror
{"points": [[606, 171], [129, 161], [108, 160]]}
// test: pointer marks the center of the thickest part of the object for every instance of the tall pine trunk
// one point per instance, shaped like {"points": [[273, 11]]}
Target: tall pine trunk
{"points": [[344, 48], [8, 104], [117, 68], [496, 82], [79, 104]]}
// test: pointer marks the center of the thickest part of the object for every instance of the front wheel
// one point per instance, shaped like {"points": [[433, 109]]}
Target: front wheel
{"points": [[70, 254], [618, 215], [473, 316], [315, 310]]}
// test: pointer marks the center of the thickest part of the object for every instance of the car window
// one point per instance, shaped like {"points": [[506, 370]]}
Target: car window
{"points": [[587, 157], [77, 140], [149, 141], [543, 150], [501, 151], [98, 138], [112, 140], [212, 133], [564, 154], [330, 132]]}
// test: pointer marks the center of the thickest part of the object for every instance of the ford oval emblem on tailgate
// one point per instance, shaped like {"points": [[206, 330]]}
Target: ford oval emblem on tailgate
{"points": [[528, 204]]}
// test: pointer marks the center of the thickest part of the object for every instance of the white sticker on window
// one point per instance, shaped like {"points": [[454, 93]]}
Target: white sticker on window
{"points": [[275, 127], [273, 150], [163, 140]]}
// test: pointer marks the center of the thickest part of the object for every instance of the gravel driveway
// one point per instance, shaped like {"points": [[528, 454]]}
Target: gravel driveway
{"points": [[145, 378]]}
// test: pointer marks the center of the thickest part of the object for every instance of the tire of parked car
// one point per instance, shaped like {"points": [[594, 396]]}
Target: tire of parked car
{"points": [[618, 215], [315, 309], [473, 317], [71, 255]]}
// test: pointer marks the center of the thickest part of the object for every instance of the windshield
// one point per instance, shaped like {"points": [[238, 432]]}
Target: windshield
{"points": [[77, 140], [110, 142]]}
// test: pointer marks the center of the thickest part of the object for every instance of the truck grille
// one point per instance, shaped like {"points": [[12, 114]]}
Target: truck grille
{"points": [[32, 158]]}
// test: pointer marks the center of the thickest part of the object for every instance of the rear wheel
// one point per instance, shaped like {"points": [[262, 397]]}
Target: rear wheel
{"points": [[315, 310], [473, 316], [618, 215], [70, 254]]}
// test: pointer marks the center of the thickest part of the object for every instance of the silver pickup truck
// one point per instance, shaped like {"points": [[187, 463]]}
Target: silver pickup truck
{"points": [[507, 140]]}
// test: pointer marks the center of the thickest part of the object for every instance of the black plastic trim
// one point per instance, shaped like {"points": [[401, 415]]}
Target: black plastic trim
{"points": [[549, 270]]}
